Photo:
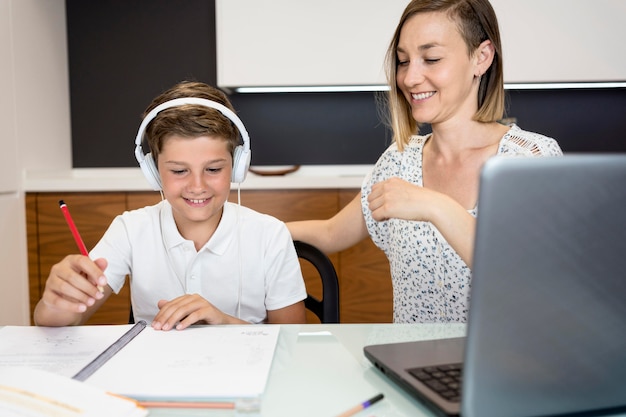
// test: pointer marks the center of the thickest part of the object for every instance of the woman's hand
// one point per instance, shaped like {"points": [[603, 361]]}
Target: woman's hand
{"points": [[399, 199]]}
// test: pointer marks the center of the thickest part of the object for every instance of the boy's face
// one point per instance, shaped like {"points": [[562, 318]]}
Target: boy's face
{"points": [[195, 174]]}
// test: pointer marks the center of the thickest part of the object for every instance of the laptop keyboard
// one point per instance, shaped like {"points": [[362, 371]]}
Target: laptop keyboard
{"points": [[445, 380]]}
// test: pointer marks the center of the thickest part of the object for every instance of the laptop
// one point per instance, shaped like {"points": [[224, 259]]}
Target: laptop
{"points": [[546, 332]]}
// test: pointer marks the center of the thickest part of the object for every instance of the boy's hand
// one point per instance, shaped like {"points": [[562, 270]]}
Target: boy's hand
{"points": [[73, 283], [189, 309]]}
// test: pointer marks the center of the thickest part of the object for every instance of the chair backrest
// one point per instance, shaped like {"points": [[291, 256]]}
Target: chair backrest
{"points": [[326, 309]]}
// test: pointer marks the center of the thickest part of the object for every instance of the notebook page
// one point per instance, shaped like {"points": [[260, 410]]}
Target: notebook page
{"points": [[198, 363], [60, 350]]}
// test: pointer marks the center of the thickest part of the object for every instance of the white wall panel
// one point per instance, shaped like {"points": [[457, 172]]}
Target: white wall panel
{"points": [[8, 139], [330, 42]]}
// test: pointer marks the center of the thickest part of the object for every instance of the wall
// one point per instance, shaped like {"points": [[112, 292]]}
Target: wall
{"points": [[12, 288], [41, 83], [34, 113], [314, 128], [121, 55], [120, 59], [8, 169]]}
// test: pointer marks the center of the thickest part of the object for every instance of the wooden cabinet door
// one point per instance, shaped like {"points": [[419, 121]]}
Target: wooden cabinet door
{"points": [[363, 270], [365, 283], [92, 213], [142, 199], [292, 205]]}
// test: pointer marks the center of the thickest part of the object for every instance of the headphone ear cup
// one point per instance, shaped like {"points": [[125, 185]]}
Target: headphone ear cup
{"points": [[241, 163], [150, 171]]}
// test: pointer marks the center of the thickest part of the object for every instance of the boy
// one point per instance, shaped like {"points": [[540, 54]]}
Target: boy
{"points": [[193, 257]]}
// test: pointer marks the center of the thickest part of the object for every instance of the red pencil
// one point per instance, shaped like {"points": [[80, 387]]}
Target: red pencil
{"points": [[74, 230]]}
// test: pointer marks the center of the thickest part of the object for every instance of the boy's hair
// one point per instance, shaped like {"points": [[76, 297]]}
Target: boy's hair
{"points": [[190, 120], [477, 22]]}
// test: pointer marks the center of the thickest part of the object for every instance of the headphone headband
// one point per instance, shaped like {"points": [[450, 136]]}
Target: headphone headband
{"points": [[241, 155]]}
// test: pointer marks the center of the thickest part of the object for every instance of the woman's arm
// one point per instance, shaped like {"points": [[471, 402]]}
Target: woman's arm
{"points": [[456, 225], [396, 198], [343, 230]]}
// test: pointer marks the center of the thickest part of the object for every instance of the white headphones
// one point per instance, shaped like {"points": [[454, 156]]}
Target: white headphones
{"points": [[241, 155]]}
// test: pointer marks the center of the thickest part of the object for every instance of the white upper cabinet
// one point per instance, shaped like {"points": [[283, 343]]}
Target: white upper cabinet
{"points": [[303, 43], [343, 42], [562, 40]]}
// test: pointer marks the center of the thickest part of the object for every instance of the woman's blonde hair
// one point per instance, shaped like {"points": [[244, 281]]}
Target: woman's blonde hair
{"points": [[477, 22]]}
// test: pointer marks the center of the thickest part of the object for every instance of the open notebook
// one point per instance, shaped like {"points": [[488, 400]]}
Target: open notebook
{"points": [[547, 324], [200, 363], [26, 392]]}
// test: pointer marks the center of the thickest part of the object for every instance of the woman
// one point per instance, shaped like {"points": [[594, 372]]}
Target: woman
{"points": [[444, 67]]}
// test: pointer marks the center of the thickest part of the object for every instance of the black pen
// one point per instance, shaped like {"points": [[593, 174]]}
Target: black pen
{"points": [[361, 406]]}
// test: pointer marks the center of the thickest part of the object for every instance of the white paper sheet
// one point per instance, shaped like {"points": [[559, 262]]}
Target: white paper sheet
{"points": [[209, 362], [198, 363], [60, 350], [36, 393]]}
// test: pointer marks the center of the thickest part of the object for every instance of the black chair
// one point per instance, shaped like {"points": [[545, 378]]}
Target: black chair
{"points": [[326, 309]]}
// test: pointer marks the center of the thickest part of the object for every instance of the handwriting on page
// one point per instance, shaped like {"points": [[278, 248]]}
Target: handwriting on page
{"points": [[205, 362], [62, 350]]}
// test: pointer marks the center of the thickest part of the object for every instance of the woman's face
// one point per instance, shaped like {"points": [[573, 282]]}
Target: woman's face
{"points": [[435, 72]]}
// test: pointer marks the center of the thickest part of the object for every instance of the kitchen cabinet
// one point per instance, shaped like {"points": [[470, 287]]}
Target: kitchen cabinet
{"points": [[343, 43], [296, 43], [364, 278]]}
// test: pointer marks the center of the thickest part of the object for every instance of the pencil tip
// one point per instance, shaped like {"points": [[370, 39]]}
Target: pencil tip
{"points": [[61, 202]]}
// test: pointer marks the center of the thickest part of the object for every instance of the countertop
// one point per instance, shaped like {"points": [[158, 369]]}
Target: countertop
{"points": [[132, 179]]}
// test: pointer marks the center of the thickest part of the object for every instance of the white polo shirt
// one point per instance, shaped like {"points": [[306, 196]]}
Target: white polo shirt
{"points": [[249, 260]]}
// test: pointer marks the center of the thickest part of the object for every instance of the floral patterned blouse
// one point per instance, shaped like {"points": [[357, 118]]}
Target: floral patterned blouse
{"points": [[430, 281]]}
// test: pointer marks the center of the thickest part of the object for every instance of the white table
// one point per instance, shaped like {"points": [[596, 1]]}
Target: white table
{"points": [[320, 370]]}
